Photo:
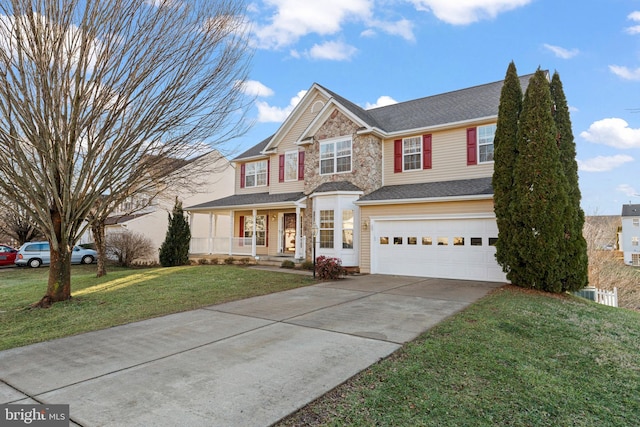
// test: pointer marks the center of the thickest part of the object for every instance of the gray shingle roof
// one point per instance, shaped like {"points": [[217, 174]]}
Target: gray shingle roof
{"points": [[336, 186], [451, 107], [465, 187], [256, 150], [249, 199], [630, 210]]}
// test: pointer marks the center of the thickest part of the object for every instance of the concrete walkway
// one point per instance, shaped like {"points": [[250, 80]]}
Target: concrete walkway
{"points": [[245, 363]]}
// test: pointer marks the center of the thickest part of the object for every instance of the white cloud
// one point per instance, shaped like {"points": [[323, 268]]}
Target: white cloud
{"points": [[463, 12], [383, 101], [255, 88], [627, 189], [333, 51], [603, 163], [561, 52], [271, 114], [402, 28], [633, 30], [613, 132], [633, 16], [369, 32], [294, 19], [625, 72], [573, 109]]}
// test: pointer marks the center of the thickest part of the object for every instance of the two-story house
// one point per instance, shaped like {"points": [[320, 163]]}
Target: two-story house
{"points": [[630, 237], [402, 189]]}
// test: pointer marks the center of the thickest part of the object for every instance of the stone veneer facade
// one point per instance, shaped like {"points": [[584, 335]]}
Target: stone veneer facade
{"points": [[366, 163]]}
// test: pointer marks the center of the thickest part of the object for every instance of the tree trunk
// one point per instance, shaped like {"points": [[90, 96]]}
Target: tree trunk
{"points": [[59, 285], [97, 228]]}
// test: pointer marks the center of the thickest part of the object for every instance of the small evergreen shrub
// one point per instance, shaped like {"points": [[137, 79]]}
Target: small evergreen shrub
{"points": [[245, 261], [307, 265], [328, 268], [287, 263], [203, 261], [214, 261], [229, 261]]}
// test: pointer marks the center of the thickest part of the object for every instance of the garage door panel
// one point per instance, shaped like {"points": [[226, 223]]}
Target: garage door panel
{"points": [[471, 257]]}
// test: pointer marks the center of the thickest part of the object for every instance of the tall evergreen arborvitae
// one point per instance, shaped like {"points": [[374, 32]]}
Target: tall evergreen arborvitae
{"points": [[505, 152], [540, 196], [175, 248], [576, 262]]}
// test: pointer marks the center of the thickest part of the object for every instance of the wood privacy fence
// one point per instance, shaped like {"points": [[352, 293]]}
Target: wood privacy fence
{"points": [[601, 296]]}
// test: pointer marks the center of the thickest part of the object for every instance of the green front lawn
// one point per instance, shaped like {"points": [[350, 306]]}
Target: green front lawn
{"points": [[516, 358], [123, 296]]}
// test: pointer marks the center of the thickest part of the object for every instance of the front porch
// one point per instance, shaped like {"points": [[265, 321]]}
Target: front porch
{"points": [[268, 229]]}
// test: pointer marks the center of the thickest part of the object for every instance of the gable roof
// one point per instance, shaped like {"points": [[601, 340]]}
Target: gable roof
{"points": [[473, 103], [479, 187], [630, 210]]}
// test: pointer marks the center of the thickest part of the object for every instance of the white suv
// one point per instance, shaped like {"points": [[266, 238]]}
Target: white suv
{"points": [[35, 254]]}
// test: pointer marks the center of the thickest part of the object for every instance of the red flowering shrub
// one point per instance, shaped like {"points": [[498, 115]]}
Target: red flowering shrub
{"points": [[329, 268]]}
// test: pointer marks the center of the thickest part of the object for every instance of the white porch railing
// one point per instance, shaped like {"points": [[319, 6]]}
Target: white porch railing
{"points": [[220, 246]]}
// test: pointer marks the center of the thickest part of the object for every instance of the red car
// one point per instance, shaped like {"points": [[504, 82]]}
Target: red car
{"points": [[7, 255]]}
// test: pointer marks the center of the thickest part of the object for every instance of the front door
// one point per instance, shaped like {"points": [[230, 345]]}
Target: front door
{"points": [[289, 235]]}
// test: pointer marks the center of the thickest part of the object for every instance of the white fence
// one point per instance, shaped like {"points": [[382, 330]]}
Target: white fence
{"points": [[601, 296]]}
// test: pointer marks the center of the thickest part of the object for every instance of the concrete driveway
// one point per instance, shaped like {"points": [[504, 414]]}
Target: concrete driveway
{"points": [[249, 362]]}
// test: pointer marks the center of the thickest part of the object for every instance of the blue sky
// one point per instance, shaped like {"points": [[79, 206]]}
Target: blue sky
{"points": [[379, 51]]}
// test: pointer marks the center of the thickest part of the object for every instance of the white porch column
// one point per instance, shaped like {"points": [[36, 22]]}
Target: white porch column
{"points": [[210, 242], [298, 254], [191, 230], [253, 237], [231, 220]]}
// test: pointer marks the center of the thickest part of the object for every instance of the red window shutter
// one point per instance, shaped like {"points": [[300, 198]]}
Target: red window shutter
{"points": [[472, 147], [242, 176], [281, 168], [268, 170], [300, 165], [426, 151], [241, 228], [397, 156]]}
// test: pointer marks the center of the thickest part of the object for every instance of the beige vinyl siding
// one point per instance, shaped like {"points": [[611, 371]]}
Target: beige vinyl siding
{"points": [[288, 143], [251, 190], [449, 161], [408, 210]]}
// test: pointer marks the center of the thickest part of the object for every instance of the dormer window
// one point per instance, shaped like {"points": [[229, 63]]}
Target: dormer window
{"points": [[335, 156]]}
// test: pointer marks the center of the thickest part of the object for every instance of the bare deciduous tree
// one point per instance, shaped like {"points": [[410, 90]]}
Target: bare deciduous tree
{"points": [[126, 247], [95, 97], [17, 225]]}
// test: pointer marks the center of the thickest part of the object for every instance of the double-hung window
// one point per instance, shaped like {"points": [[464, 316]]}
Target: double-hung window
{"points": [[261, 229], [291, 166], [347, 229], [326, 229], [485, 143], [412, 153], [335, 157], [255, 174]]}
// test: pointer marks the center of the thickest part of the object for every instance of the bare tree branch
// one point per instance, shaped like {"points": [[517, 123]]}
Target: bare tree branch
{"points": [[95, 97]]}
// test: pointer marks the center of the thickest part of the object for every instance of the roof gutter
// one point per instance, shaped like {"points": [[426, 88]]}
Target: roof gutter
{"points": [[424, 200]]}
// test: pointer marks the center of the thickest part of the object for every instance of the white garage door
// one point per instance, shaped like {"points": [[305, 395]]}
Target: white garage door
{"points": [[446, 248]]}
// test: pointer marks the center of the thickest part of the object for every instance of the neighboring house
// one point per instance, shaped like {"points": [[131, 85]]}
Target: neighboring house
{"points": [[403, 189], [148, 215], [631, 234]]}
